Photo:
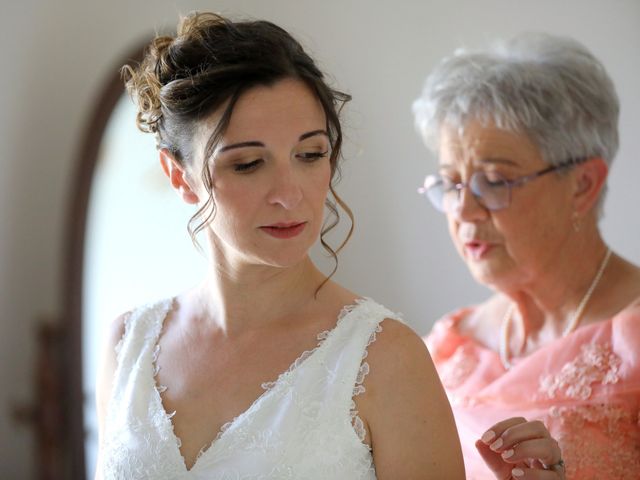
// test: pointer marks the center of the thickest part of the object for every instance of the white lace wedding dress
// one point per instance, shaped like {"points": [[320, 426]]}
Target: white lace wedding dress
{"points": [[304, 426]]}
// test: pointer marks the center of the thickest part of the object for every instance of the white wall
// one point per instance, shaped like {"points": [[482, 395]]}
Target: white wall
{"points": [[56, 54]]}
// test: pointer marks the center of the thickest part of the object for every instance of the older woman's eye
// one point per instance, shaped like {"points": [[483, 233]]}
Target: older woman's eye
{"points": [[312, 156], [493, 178], [248, 166]]}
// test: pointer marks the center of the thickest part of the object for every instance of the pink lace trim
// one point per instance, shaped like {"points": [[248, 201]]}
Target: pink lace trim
{"points": [[596, 364], [458, 367]]}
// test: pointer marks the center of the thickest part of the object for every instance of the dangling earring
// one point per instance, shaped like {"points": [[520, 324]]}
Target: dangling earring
{"points": [[576, 221]]}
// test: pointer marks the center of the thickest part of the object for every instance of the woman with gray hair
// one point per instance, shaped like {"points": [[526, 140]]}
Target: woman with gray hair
{"points": [[525, 135]]}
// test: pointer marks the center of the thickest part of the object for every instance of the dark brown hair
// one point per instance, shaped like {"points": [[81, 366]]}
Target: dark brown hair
{"points": [[211, 62]]}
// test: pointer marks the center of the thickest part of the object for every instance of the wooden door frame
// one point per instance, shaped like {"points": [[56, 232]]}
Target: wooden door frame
{"points": [[73, 434]]}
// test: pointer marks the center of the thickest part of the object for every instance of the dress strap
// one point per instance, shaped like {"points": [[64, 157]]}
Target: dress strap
{"points": [[358, 328], [142, 329]]}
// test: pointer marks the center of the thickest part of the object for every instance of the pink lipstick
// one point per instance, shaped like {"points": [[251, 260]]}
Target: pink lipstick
{"points": [[284, 230], [477, 250]]}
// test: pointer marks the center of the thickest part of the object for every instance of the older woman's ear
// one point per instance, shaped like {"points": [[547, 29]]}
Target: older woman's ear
{"points": [[590, 178], [177, 176]]}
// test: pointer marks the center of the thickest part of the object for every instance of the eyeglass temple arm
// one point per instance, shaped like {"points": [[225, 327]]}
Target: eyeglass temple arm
{"points": [[552, 168]]}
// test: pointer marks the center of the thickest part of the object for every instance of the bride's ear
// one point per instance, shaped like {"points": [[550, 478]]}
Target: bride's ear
{"points": [[176, 174]]}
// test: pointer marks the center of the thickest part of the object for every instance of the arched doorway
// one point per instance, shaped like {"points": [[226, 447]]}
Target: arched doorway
{"points": [[124, 221]]}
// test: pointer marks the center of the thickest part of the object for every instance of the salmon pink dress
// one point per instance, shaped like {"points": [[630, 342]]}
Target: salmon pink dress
{"points": [[585, 387]]}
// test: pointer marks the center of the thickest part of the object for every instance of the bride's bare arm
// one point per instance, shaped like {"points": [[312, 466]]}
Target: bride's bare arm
{"points": [[410, 424]]}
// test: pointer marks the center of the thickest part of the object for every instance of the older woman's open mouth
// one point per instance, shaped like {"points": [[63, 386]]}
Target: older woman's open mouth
{"points": [[476, 249]]}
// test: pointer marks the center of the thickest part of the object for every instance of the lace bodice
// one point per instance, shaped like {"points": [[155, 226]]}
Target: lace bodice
{"points": [[304, 425]]}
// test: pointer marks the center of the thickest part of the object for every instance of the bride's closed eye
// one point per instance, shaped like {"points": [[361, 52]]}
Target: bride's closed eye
{"points": [[312, 156], [246, 167]]}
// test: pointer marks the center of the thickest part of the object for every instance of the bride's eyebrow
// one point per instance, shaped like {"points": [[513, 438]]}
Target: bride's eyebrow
{"points": [[312, 134], [252, 143], [256, 143]]}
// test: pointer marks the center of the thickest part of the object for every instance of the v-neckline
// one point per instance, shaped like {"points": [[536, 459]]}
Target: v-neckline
{"points": [[269, 387]]}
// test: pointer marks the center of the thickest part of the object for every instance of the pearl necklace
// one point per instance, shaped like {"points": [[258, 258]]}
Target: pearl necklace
{"points": [[571, 326]]}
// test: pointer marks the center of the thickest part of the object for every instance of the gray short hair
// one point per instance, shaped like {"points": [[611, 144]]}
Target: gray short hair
{"points": [[548, 87]]}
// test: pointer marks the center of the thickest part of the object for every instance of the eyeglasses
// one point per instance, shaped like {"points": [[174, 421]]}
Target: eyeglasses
{"points": [[491, 190]]}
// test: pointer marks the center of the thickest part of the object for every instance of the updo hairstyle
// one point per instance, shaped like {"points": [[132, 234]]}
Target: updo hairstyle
{"points": [[212, 61]]}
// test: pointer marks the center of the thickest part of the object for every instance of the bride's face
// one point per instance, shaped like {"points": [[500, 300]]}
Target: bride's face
{"points": [[270, 174]]}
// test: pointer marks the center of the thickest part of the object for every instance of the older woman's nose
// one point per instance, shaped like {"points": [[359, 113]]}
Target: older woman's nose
{"points": [[468, 207]]}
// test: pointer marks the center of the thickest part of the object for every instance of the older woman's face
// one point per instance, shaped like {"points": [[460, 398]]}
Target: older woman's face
{"points": [[508, 248]]}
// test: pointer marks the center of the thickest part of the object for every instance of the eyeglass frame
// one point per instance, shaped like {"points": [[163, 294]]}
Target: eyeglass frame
{"points": [[515, 182]]}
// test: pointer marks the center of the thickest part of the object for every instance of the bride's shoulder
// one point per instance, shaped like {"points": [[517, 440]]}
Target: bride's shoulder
{"points": [[397, 353]]}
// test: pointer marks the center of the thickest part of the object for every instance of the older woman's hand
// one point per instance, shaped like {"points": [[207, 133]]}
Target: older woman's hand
{"points": [[518, 449]]}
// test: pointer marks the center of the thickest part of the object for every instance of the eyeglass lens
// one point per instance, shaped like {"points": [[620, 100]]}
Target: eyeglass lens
{"points": [[445, 194]]}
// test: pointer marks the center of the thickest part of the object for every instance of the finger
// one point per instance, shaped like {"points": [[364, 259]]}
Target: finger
{"points": [[523, 473], [546, 450], [518, 433], [493, 460], [495, 431], [534, 463]]}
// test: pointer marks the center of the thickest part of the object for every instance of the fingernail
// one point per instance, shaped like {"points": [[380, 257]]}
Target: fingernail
{"points": [[508, 453], [496, 445], [516, 472], [488, 436]]}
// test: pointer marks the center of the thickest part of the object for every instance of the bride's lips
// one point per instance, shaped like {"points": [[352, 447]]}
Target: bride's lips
{"points": [[284, 230], [477, 249]]}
